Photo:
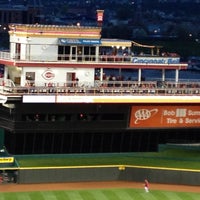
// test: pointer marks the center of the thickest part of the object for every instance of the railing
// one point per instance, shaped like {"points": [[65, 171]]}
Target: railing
{"points": [[66, 57], [5, 55], [142, 59], [107, 88]]}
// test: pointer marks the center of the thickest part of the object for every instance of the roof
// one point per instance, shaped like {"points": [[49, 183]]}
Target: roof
{"points": [[40, 30], [125, 43], [116, 42]]}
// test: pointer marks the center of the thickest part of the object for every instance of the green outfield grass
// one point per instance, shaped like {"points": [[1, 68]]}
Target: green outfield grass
{"points": [[101, 194], [168, 158]]}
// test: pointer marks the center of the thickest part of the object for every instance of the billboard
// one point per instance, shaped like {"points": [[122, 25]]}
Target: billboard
{"points": [[156, 60], [164, 116], [77, 41], [6, 159]]}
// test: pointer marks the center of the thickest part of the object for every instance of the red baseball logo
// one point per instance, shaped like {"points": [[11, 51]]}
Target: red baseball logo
{"points": [[48, 75]]}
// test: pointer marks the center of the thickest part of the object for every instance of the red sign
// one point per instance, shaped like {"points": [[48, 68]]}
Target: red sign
{"points": [[161, 116], [48, 75]]}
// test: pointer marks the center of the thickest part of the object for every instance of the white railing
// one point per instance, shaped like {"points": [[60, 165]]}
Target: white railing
{"points": [[106, 88], [5, 55], [65, 58], [6, 82], [143, 59]]}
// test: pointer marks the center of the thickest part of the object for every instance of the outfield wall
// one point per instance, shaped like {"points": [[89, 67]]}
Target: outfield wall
{"points": [[108, 173], [164, 176], [68, 175]]}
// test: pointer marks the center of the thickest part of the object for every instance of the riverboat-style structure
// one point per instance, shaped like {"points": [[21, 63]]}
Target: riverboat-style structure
{"points": [[57, 95]]}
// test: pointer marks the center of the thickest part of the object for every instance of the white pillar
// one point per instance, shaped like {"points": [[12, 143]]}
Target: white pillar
{"points": [[97, 54], [22, 77], [101, 74], [139, 75], [5, 72], [163, 74], [177, 76]]}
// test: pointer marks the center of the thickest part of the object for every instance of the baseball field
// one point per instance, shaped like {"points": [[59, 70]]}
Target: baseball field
{"points": [[107, 190], [117, 190]]}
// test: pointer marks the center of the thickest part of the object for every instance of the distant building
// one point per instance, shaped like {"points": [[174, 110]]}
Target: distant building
{"points": [[19, 11]]}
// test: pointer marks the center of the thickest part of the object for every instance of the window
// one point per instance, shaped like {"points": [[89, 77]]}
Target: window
{"points": [[63, 52], [30, 78]]}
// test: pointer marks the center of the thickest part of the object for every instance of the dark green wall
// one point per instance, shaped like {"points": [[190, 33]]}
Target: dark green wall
{"points": [[68, 175], [108, 174], [1, 138]]}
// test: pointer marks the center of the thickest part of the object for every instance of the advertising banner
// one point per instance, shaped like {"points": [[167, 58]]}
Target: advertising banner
{"points": [[6, 159], [77, 41], [163, 116], [156, 60]]}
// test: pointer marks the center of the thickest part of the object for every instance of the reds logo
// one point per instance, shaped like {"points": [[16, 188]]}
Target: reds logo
{"points": [[48, 75]]}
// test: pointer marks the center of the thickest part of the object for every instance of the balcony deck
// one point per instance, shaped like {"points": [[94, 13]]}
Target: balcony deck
{"points": [[114, 91], [109, 91], [91, 61]]}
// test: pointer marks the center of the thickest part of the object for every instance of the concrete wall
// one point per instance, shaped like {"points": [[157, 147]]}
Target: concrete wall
{"points": [[161, 176], [67, 175], [108, 174]]}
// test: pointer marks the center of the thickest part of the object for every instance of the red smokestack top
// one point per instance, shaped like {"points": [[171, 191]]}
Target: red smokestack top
{"points": [[100, 17]]}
